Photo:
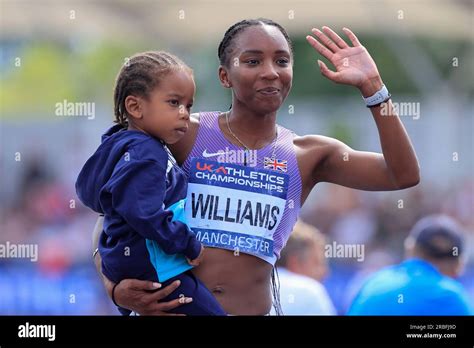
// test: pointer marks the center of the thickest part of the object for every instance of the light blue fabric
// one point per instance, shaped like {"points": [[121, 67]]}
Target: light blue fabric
{"points": [[178, 211], [414, 287], [168, 266]]}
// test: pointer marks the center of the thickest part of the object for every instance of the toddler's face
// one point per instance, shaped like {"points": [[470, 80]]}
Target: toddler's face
{"points": [[166, 112]]}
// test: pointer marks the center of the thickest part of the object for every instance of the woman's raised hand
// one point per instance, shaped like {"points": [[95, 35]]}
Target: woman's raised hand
{"points": [[354, 65]]}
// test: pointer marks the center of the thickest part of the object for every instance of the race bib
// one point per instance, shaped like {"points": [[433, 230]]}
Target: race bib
{"points": [[235, 207]]}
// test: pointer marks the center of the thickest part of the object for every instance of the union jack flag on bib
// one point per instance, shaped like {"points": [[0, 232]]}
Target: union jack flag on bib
{"points": [[275, 164]]}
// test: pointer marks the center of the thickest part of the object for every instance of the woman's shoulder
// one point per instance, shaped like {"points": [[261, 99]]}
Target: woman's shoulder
{"points": [[195, 117], [311, 142], [182, 148], [194, 123], [311, 152], [203, 118]]}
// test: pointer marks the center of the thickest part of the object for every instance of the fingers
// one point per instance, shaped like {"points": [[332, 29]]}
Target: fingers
{"points": [[325, 40], [142, 284], [352, 37], [326, 72], [330, 41], [166, 306], [320, 48], [160, 294], [195, 262], [334, 37]]}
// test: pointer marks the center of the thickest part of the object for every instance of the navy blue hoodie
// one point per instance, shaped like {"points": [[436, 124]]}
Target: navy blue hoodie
{"points": [[131, 179]]}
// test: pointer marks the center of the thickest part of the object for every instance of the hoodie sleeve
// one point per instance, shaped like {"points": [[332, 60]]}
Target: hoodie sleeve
{"points": [[136, 192]]}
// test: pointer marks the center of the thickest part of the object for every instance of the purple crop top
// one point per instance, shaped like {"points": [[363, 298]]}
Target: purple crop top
{"points": [[250, 208]]}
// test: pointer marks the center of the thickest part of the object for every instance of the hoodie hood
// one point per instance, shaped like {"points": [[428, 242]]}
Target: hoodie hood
{"points": [[100, 166]]}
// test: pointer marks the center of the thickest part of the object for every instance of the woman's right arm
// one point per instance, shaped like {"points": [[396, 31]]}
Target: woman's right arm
{"points": [[140, 296]]}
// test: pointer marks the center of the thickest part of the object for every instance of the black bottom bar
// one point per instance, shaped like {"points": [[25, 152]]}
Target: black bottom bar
{"points": [[296, 331]]}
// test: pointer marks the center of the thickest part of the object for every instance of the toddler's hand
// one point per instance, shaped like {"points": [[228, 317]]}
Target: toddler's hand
{"points": [[198, 259]]}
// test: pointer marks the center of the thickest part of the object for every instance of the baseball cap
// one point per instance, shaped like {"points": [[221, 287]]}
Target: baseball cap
{"points": [[439, 236]]}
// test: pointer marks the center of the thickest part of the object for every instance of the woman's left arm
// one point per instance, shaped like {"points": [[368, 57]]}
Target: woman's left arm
{"points": [[397, 167]]}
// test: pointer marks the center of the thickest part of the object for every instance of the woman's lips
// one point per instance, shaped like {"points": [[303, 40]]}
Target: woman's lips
{"points": [[269, 91]]}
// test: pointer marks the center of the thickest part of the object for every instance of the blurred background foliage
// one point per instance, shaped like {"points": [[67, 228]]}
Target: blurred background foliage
{"points": [[80, 71]]}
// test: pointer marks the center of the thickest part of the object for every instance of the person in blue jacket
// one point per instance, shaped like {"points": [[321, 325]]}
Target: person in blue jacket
{"points": [[423, 284], [135, 182]]}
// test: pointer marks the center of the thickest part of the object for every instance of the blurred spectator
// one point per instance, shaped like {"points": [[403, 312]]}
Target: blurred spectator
{"points": [[423, 284], [377, 258], [300, 269]]}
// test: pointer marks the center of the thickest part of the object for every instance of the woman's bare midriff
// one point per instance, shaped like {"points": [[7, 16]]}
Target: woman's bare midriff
{"points": [[241, 283]]}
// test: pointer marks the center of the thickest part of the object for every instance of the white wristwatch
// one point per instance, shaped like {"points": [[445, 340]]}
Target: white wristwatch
{"points": [[378, 98]]}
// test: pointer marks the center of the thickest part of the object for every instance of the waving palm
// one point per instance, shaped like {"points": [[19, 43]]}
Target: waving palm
{"points": [[354, 65]]}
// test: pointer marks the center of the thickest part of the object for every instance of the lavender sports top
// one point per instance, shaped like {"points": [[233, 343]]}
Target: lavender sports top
{"points": [[258, 203]]}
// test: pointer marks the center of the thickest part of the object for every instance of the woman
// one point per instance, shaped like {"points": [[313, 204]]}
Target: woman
{"points": [[256, 61]]}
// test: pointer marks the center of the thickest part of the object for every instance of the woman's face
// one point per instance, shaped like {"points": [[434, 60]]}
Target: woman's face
{"points": [[260, 69]]}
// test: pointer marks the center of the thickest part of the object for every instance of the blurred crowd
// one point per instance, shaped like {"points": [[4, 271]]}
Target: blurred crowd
{"points": [[64, 281], [381, 221]]}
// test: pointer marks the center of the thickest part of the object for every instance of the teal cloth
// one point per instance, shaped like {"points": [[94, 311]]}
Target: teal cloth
{"points": [[168, 266]]}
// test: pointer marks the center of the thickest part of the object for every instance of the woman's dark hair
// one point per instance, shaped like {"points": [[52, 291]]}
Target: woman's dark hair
{"points": [[226, 44], [139, 76]]}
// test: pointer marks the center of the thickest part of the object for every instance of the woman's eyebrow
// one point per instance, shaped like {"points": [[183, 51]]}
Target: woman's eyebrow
{"points": [[261, 52], [252, 52]]}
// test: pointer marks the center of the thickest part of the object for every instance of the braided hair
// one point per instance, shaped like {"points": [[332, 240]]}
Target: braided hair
{"points": [[139, 76], [225, 46]]}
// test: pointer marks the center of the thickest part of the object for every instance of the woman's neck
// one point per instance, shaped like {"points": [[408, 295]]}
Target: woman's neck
{"points": [[254, 129]]}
